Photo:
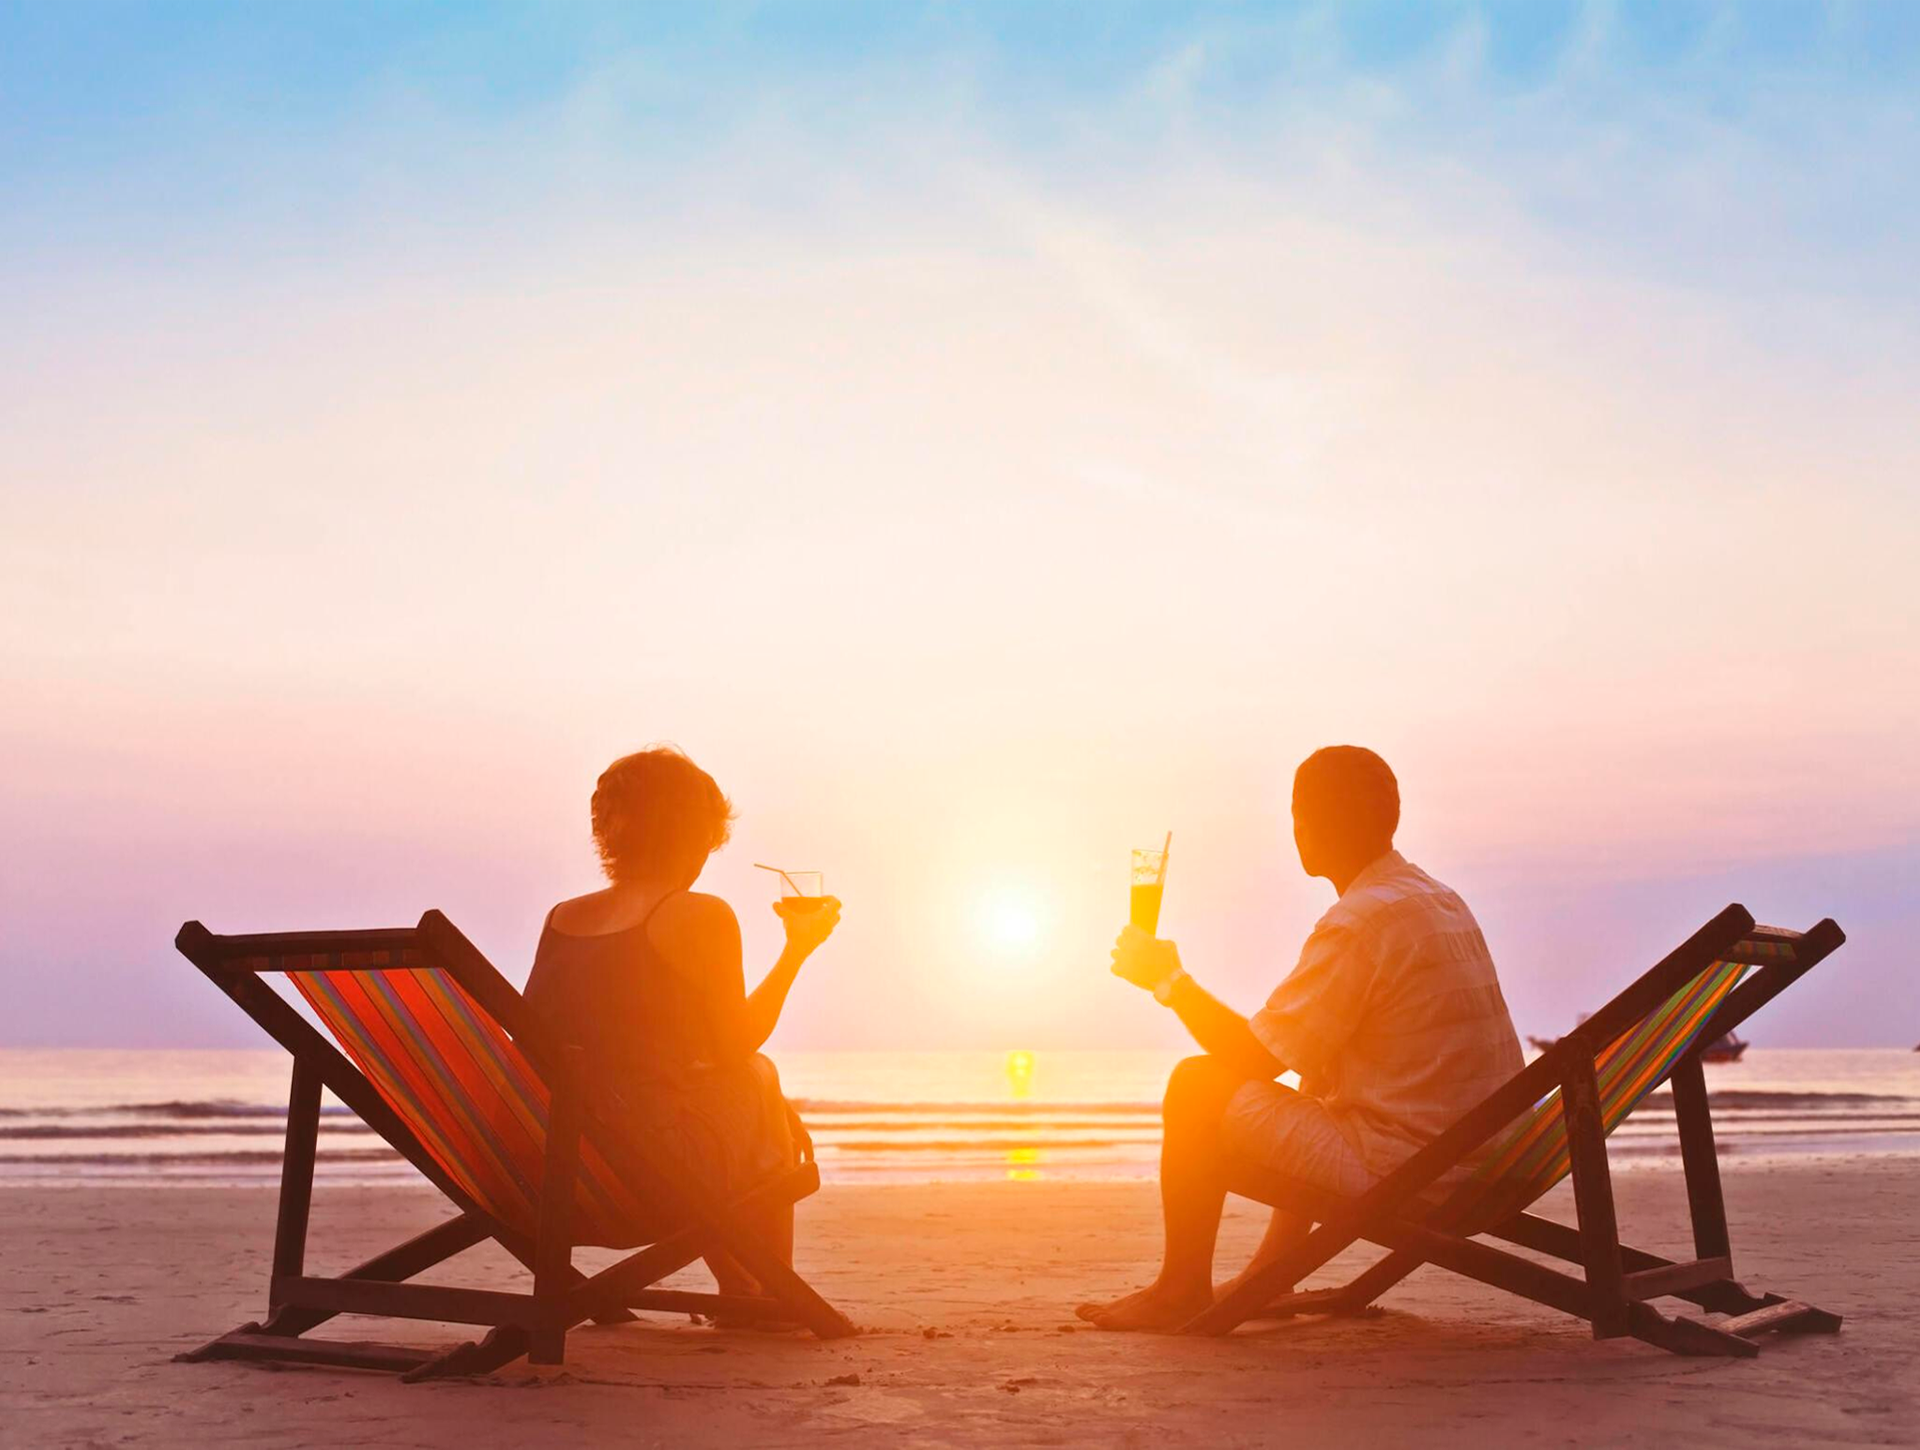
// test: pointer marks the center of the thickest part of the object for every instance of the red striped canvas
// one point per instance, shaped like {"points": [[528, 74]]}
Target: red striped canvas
{"points": [[458, 1081], [1534, 1155]]}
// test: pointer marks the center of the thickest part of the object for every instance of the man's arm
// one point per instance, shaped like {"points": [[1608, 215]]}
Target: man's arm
{"points": [[1155, 965], [1221, 1030]]}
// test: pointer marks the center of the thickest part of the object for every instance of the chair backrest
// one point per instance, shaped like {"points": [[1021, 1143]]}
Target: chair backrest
{"points": [[451, 1073], [1534, 1155]]}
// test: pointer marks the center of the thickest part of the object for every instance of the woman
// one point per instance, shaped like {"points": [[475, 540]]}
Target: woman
{"points": [[646, 977]]}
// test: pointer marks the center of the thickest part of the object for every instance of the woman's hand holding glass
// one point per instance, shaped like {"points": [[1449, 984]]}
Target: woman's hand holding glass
{"points": [[809, 921]]}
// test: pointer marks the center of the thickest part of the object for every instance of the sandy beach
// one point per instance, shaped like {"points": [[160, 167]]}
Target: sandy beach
{"points": [[966, 1295]]}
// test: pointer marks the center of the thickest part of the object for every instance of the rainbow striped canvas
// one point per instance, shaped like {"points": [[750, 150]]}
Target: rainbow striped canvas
{"points": [[457, 1080], [1534, 1154]]}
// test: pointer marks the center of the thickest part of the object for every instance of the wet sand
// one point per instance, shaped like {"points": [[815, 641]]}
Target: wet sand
{"points": [[966, 1294]]}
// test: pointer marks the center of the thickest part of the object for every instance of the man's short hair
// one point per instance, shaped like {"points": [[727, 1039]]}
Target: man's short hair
{"points": [[1350, 794]]}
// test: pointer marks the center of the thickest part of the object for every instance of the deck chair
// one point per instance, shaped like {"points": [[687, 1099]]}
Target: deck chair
{"points": [[439, 1055], [1552, 1118]]}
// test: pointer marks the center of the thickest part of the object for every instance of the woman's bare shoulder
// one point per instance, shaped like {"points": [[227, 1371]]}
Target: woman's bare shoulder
{"points": [[694, 913], [697, 935], [610, 911], [582, 915]]}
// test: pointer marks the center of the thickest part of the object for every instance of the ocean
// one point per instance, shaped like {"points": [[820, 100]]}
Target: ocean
{"points": [[159, 1117]]}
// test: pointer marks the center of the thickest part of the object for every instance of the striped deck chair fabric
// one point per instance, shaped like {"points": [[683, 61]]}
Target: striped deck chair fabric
{"points": [[1534, 1156], [451, 1072]]}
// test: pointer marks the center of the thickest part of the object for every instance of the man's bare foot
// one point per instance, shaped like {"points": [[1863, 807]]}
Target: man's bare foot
{"points": [[1094, 1308], [1154, 1309]]}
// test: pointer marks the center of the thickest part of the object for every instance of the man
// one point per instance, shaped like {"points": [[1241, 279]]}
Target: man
{"points": [[1393, 1019]]}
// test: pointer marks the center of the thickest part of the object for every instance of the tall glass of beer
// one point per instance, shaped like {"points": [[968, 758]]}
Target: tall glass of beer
{"points": [[1149, 881]]}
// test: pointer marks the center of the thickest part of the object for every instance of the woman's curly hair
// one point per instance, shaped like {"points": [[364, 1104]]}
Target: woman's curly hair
{"points": [[654, 811]]}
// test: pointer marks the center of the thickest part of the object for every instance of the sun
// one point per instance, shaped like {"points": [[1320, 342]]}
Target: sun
{"points": [[1008, 923]]}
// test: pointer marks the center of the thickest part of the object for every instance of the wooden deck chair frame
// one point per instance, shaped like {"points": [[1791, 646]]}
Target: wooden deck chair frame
{"points": [[532, 1324], [1617, 1280]]}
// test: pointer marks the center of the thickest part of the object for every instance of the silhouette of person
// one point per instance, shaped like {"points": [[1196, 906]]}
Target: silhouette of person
{"points": [[1393, 1018], [645, 975]]}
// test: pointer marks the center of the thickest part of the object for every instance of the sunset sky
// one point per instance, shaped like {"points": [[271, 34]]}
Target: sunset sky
{"points": [[986, 437]]}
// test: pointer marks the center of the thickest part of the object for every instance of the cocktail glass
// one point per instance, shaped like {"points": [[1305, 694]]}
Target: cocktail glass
{"points": [[799, 890]]}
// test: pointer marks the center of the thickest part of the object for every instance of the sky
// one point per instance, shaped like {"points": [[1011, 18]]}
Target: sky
{"points": [[987, 438]]}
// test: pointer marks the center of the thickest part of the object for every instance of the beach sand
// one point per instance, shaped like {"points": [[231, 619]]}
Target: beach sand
{"points": [[966, 1293]]}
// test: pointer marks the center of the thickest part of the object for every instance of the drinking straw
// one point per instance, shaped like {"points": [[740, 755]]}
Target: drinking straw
{"points": [[794, 886], [1165, 846]]}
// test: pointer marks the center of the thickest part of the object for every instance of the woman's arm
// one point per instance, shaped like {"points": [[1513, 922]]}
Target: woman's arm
{"points": [[807, 928], [699, 936]]}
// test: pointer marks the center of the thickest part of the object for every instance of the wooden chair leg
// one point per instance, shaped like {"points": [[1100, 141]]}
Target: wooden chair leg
{"points": [[1531, 1231], [620, 1283], [801, 1301], [277, 1337], [521, 1248], [553, 1241], [247, 1344], [1303, 1301], [1686, 1336], [1705, 1203], [1593, 1199], [1370, 1285], [1784, 1316], [296, 1170], [500, 1348], [1750, 1314], [733, 1306], [1353, 1297], [396, 1265]]}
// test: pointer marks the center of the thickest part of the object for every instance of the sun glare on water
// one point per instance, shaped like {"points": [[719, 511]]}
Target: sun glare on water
{"points": [[1023, 1160]]}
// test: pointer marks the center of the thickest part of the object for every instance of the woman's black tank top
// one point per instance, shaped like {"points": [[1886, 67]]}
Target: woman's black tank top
{"points": [[615, 997]]}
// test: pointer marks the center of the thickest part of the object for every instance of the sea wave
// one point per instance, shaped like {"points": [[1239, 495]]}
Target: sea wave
{"points": [[265, 1157], [1030, 1108], [1742, 1100], [216, 1108], [43, 1132], [1112, 1152]]}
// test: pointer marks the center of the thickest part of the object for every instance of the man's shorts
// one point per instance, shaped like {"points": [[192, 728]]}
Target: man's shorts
{"points": [[1293, 1134]]}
